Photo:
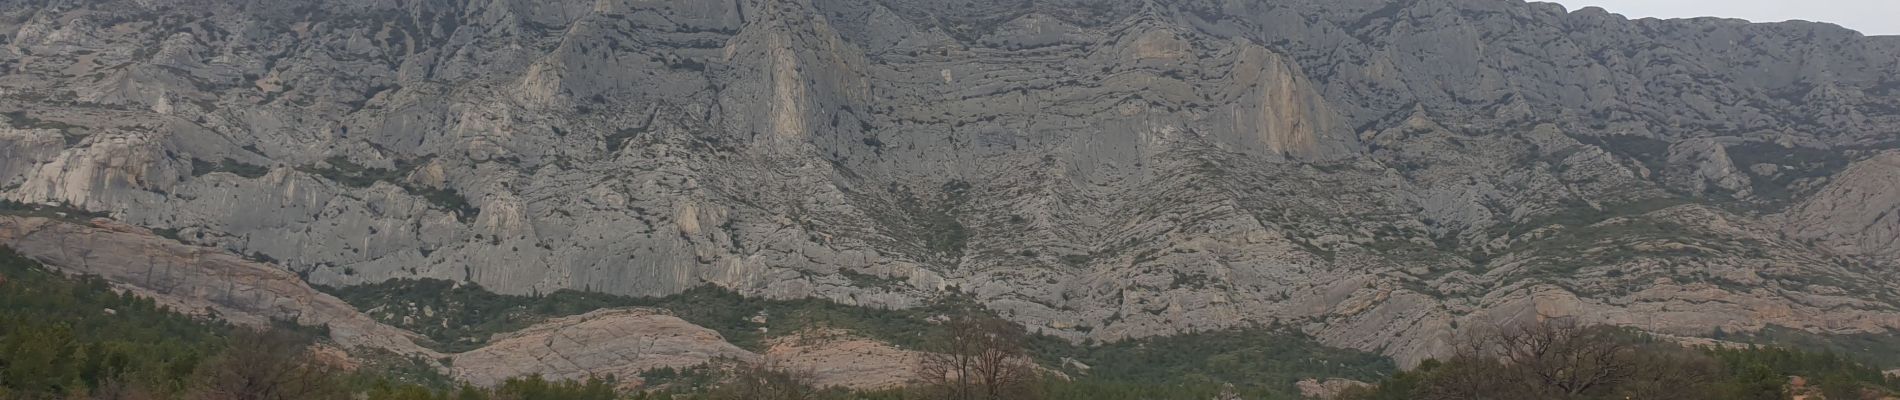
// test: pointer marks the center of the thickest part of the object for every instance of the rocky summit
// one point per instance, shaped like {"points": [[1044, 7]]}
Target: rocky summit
{"points": [[1373, 173]]}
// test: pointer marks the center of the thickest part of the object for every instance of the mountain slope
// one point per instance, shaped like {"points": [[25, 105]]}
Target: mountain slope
{"points": [[1375, 173]]}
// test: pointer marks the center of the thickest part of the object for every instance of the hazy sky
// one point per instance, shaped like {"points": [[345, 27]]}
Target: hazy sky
{"points": [[1872, 17]]}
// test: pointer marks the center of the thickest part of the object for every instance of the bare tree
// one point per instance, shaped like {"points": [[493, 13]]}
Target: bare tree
{"points": [[1568, 358], [979, 358], [1552, 359], [1469, 378], [266, 365]]}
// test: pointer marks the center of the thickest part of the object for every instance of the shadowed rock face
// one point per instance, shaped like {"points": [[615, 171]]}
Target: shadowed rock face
{"points": [[1374, 173]]}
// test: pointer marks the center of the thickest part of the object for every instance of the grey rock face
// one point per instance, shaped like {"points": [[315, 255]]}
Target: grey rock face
{"points": [[1372, 172]]}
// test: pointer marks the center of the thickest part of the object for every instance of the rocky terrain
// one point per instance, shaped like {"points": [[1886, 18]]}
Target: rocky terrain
{"points": [[1375, 173]]}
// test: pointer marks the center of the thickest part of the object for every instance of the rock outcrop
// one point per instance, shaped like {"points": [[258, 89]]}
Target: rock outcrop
{"points": [[625, 342], [841, 359], [620, 343]]}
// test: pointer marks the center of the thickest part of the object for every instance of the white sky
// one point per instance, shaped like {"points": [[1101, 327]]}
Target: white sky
{"points": [[1872, 17]]}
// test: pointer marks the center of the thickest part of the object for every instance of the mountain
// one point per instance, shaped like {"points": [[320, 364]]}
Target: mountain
{"points": [[1373, 173]]}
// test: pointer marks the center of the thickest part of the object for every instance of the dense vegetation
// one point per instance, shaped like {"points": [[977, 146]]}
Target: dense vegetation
{"points": [[60, 335], [1558, 361]]}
